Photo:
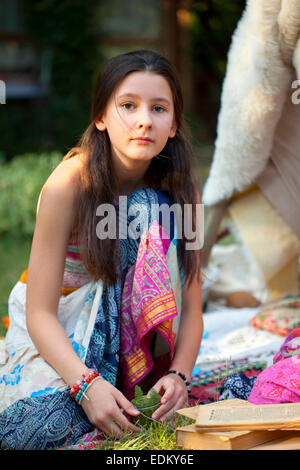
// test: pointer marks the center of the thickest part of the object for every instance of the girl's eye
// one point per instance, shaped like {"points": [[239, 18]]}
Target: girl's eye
{"points": [[127, 105], [159, 108]]}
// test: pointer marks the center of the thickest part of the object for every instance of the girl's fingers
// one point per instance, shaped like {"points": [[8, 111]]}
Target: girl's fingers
{"points": [[175, 402], [124, 423], [128, 407], [113, 430], [168, 393], [116, 424], [125, 404], [168, 414], [178, 405], [163, 409]]}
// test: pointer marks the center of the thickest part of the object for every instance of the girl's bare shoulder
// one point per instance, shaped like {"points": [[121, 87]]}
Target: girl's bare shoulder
{"points": [[62, 184], [66, 172]]}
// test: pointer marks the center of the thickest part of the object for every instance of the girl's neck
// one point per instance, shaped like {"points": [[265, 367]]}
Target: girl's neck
{"points": [[129, 175], [125, 188], [128, 180]]}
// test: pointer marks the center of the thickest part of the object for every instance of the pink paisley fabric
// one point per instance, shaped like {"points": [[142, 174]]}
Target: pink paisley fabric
{"points": [[149, 303], [280, 383]]}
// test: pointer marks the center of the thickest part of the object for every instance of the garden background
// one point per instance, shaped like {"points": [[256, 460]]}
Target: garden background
{"points": [[50, 54]]}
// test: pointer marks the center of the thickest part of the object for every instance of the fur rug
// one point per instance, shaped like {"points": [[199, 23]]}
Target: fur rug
{"points": [[265, 47]]}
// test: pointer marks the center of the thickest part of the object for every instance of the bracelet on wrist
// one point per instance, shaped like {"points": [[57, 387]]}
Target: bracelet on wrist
{"points": [[80, 387], [183, 377]]}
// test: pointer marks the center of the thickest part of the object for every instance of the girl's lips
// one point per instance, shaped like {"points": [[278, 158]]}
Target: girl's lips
{"points": [[143, 140]]}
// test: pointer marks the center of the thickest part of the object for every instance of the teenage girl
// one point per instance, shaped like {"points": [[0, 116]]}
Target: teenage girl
{"points": [[135, 140]]}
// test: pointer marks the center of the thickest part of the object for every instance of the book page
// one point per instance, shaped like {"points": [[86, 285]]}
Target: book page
{"points": [[192, 411], [286, 413]]}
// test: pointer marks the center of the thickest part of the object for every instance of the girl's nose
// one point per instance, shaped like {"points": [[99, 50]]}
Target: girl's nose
{"points": [[144, 120]]}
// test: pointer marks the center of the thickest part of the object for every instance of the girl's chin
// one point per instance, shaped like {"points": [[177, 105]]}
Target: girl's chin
{"points": [[141, 157]]}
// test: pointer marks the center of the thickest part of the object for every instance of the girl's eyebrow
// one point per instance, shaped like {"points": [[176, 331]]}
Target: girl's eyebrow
{"points": [[133, 95]]}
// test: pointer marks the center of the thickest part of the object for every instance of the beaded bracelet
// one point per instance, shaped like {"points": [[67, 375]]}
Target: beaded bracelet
{"points": [[86, 385], [79, 388], [183, 378]]}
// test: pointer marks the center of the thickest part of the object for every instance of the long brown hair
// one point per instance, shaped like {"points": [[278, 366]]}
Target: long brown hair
{"points": [[170, 173]]}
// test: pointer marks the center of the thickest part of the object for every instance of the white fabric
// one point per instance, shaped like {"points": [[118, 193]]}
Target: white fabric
{"points": [[231, 269], [228, 336], [76, 312]]}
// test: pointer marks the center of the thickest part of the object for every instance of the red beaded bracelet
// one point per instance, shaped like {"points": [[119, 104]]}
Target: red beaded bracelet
{"points": [[78, 389]]}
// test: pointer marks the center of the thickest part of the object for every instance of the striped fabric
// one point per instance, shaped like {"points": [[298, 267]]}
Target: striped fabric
{"points": [[75, 275]]}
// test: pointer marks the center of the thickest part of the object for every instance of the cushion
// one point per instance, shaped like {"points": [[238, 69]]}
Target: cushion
{"points": [[279, 317]]}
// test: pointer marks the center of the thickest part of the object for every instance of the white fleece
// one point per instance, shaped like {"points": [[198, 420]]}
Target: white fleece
{"points": [[253, 94]]}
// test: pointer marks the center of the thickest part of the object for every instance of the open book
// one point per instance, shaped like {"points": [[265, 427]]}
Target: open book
{"points": [[285, 416], [210, 437]]}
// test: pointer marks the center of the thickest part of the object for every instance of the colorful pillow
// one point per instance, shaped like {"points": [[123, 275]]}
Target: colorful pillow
{"points": [[279, 317]]}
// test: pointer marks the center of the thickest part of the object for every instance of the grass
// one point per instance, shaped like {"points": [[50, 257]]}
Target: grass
{"points": [[14, 257], [153, 436]]}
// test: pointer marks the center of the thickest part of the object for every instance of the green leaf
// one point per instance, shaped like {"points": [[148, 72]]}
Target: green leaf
{"points": [[141, 401]]}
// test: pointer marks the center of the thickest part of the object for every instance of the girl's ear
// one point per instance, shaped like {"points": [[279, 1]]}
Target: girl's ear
{"points": [[173, 130], [100, 125]]}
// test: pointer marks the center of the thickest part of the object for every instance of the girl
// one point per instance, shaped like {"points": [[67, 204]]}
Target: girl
{"points": [[103, 310]]}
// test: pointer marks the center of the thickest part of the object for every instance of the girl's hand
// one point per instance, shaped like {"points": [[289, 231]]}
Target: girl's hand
{"points": [[175, 396], [103, 409]]}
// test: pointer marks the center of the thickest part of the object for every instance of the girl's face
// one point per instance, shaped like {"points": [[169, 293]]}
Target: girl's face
{"points": [[139, 118]]}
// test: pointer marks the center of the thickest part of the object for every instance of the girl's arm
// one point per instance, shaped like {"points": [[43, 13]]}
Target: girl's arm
{"points": [[45, 274], [45, 277], [190, 331]]}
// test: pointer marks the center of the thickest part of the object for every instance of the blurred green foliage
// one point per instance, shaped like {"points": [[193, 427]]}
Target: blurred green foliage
{"points": [[73, 32], [211, 26], [20, 184], [56, 121]]}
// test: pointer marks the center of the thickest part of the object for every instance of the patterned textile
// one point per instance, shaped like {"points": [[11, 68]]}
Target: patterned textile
{"points": [[290, 347], [279, 317], [280, 383], [222, 372], [90, 440], [237, 386], [75, 274], [209, 386], [108, 328]]}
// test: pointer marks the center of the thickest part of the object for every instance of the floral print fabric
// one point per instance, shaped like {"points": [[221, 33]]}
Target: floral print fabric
{"points": [[280, 317], [280, 383]]}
